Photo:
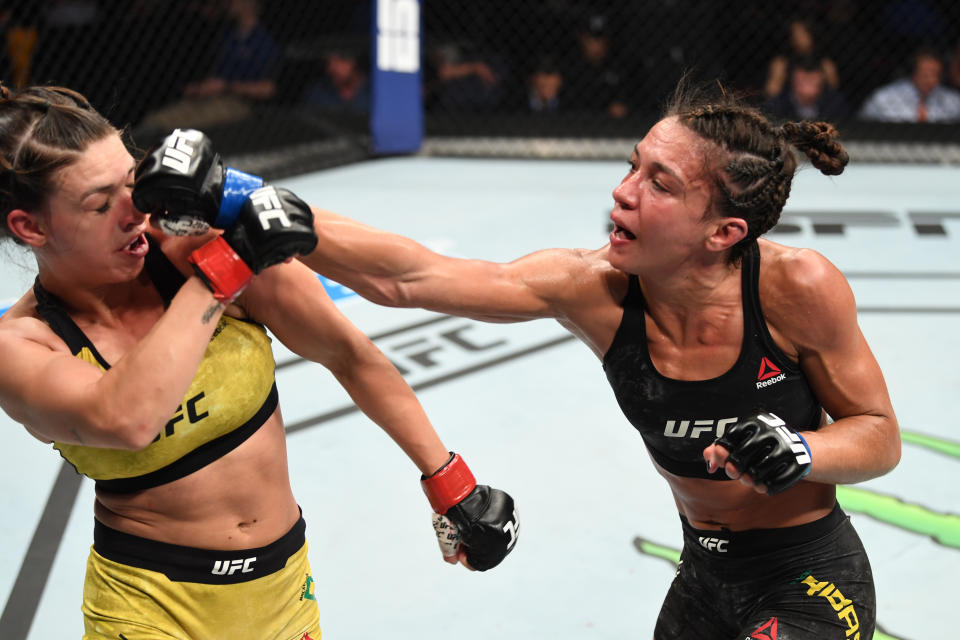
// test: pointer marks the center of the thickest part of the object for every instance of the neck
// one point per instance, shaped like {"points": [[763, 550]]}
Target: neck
{"points": [[99, 302], [694, 287]]}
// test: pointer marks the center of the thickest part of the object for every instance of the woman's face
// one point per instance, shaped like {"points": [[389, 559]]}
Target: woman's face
{"points": [[91, 226], [660, 205]]}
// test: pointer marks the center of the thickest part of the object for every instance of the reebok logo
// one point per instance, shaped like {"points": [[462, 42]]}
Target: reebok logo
{"points": [[769, 373], [230, 567], [766, 631]]}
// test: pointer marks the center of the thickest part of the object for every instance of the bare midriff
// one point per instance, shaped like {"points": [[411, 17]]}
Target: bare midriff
{"points": [[240, 501]]}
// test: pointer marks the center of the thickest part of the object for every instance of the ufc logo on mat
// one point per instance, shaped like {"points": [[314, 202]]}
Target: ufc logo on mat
{"points": [[179, 151], [268, 207], [230, 567]]}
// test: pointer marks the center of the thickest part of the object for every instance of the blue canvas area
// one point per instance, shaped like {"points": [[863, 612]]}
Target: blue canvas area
{"points": [[529, 408]]}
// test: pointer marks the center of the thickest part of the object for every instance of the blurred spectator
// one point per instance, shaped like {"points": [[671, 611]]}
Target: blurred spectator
{"points": [[544, 85], [918, 98], [594, 81], [808, 96], [243, 74], [801, 45], [19, 45], [953, 71], [460, 78], [344, 86]]}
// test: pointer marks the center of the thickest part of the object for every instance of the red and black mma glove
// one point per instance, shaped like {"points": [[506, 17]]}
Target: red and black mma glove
{"points": [[183, 184], [486, 518], [772, 453], [273, 225]]}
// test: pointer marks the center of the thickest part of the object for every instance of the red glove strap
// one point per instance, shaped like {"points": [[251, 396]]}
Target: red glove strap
{"points": [[448, 486], [221, 269]]}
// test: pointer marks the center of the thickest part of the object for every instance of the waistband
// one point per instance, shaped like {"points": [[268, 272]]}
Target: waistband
{"points": [[740, 544], [206, 566]]}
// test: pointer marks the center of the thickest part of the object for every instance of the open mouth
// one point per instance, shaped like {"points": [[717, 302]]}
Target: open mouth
{"points": [[138, 247], [622, 234]]}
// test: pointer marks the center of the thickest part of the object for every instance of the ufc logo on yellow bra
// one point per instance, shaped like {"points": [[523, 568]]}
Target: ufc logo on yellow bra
{"points": [[230, 567]]}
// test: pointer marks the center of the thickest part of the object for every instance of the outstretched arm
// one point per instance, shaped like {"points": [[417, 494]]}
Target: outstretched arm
{"points": [[290, 300], [396, 271]]}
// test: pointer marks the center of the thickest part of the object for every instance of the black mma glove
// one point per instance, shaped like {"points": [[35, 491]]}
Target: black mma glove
{"points": [[184, 186], [772, 453], [273, 225], [485, 519]]}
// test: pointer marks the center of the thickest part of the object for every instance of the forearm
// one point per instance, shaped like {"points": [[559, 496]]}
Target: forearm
{"points": [[372, 262], [154, 376], [381, 393], [853, 449]]}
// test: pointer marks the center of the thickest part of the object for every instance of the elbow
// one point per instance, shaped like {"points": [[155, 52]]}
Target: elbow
{"points": [[893, 453], [390, 293], [126, 432], [889, 456], [139, 437]]}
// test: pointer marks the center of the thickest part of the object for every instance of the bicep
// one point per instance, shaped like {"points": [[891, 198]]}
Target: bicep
{"points": [[50, 392], [834, 353]]}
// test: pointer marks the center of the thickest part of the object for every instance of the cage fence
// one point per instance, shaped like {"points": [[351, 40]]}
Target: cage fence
{"points": [[283, 86]]}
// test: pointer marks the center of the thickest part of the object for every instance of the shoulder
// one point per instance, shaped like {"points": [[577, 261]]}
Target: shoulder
{"points": [[949, 94], [576, 272], [897, 87], [19, 326], [803, 295], [800, 271]]}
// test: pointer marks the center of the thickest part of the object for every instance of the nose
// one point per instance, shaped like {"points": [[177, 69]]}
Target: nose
{"points": [[131, 216], [626, 194]]}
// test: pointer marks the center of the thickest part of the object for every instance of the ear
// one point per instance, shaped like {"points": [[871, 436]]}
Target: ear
{"points": [[27, 227], [728, 232]]}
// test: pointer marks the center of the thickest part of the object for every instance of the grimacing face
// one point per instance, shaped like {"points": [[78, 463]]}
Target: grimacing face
{"points": [[660, 205], [91, 224]]}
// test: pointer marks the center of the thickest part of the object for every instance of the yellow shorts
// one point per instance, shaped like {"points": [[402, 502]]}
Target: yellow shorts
{"points": [[139, 589]]}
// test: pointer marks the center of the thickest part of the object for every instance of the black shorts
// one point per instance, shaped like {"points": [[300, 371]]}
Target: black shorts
{"points": [[810, 582]]}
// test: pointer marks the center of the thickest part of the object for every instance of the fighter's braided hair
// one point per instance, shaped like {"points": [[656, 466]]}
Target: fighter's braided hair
{"points": [[753, 159], [42, 130]]}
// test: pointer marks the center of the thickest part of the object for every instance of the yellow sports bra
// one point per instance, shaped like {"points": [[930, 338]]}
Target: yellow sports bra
{"points": [[231, 396]]}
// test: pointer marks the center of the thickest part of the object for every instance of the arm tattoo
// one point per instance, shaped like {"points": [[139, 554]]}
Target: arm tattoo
{"points": [[76, 435], [211, 311]]}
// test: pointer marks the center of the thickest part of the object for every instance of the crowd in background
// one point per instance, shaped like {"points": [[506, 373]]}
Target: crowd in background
{"points": [[157, 63]]}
